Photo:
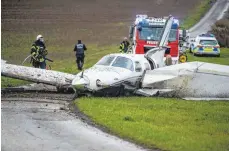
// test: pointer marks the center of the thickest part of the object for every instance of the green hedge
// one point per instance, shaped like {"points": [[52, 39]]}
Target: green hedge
{"points": [[221, 30]]}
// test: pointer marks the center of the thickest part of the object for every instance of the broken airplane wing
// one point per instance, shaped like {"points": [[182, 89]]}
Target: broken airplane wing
{"points": [[193, 79]]}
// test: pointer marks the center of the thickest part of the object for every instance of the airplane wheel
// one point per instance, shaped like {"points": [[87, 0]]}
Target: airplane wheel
{"points": [[183, 58]]}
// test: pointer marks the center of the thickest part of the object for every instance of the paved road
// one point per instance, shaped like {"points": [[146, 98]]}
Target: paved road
{"points": [[31, 126], [215, 13]]}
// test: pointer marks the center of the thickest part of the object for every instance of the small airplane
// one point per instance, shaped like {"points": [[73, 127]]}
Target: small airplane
{"points": [[136, 74], [112, 74]]}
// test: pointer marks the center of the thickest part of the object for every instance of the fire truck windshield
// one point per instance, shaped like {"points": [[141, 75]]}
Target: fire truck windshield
{"points": [[154, 33]]}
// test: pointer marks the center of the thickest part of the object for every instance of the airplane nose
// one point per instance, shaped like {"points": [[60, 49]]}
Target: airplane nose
{"points": [[79, 83]]}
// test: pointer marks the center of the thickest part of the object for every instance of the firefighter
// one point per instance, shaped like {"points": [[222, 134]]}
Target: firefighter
{"points": [[38, 53], [124, 45], [79, 50]]}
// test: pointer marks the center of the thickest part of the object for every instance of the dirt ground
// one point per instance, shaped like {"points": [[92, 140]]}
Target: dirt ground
{"points": [[102, 22]]}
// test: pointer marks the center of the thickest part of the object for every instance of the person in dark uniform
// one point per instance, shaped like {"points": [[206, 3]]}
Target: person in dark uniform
{"points": [[79, 50], [38, 53]]}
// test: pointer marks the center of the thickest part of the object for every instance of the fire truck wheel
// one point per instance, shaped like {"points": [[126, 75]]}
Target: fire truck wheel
{"points": [[183, 58]]}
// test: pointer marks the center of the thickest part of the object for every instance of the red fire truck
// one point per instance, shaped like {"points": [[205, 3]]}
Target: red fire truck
{"points": [[145, 34]]}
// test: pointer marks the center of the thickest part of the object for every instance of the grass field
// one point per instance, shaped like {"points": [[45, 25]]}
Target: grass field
{"points": [[168, 124], [196, 14], [223, 59]]}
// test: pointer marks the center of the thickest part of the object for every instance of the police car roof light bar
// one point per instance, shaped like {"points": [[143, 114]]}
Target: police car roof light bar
{"points": [[207, 35]]}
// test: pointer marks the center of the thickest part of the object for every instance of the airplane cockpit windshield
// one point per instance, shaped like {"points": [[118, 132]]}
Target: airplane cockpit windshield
{"points": [[106, 61], [123, 62], [119, 61]]}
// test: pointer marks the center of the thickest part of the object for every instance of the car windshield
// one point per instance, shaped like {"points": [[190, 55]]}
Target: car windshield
{"points": [[106, 61], [123, 62], [155, 33], [208, 42]]}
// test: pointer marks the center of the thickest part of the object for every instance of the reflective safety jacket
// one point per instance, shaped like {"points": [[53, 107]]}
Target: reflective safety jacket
{"points": [[124, 46], [38, 51]]}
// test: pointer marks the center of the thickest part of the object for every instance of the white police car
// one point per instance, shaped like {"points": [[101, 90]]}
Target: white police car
{"points": [[205, 44]]}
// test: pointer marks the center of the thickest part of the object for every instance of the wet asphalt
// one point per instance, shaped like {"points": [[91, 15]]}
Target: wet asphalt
{"points": [[46, 125]]}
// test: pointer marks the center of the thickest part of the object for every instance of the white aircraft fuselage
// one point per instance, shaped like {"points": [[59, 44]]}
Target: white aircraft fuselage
{"points": [[112, 72]]}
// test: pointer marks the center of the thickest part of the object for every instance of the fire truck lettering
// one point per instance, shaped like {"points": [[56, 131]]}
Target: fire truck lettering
{"points": [[152, 42]]}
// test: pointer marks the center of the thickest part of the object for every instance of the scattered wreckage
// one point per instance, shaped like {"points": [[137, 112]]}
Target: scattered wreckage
{"points": [[136, 74]]}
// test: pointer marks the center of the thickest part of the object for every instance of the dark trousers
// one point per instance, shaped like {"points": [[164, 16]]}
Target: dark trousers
{"points": [[125, 49], [80, 61], [37, 64], [43, 65]]}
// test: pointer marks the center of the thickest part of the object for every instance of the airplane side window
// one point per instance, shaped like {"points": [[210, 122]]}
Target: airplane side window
{"points": [[138, 67], [123, 62], [106, 61]]}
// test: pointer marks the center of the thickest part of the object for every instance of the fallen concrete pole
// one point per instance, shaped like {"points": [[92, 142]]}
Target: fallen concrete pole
{"points": [[50, 77]]}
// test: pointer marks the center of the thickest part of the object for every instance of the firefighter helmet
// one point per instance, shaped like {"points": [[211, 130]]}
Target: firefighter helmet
{"points": [[40, 37]]}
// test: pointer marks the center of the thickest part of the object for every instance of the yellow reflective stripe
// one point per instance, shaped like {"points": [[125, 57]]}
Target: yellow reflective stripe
{"points": [[38, 48], [42, 59], [122, 46], [36, 53], [33, 47]]}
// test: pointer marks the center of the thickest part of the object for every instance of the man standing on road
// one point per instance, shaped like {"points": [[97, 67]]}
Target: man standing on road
{"points": [[79, 49], [38, 53], [124, 45]]}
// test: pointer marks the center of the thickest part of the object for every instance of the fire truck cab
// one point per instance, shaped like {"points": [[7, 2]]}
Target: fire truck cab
{"points": [[145, 34]]}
